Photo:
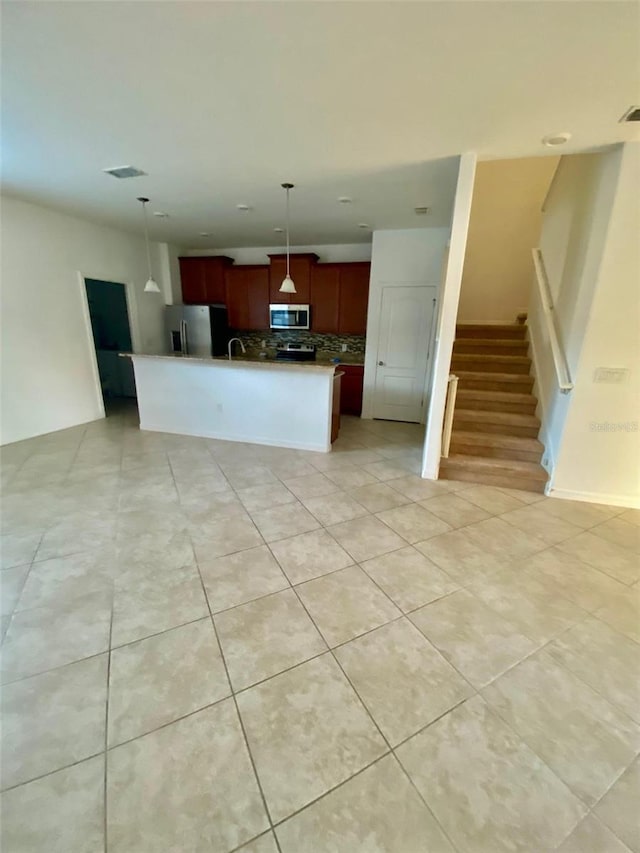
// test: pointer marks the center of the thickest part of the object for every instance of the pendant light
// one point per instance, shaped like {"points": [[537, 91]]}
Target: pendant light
{"points": [[152, 285], [287, 285]]}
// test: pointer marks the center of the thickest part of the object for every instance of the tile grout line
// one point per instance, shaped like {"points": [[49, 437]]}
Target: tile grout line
{"points": [[475, 691], [422, 798], [390, 749], [106, 730], [332, 790], [406, 613], [331, 651], [587, 615], [498, 571], [233, 695], [52, 772], [168, 723], [14, 609]]}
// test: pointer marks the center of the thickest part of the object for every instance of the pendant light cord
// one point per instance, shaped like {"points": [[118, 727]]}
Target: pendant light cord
{"points": [[146, 237], [288, 276]]}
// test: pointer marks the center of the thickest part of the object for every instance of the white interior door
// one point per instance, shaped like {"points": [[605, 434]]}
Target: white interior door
{"points": [[404, 347]]}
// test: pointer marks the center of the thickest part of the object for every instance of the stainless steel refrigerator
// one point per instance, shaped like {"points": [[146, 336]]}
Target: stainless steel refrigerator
{"points": [[197, 329]]}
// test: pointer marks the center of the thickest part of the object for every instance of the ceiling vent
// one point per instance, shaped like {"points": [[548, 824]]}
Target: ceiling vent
{"points": [[632, 114], [124, 172], [421, 211]]}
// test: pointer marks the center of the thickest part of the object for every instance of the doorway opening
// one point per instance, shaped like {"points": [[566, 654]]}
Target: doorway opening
{"points": [[111, 330], [403, 372], [493, 420]]}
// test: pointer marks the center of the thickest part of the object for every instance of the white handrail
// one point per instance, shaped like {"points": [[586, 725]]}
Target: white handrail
{"points": [[544, 291], [452, 390]]}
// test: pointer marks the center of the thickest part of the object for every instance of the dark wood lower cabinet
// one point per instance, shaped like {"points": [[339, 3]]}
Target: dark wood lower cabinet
{"points": [[351, 389]]}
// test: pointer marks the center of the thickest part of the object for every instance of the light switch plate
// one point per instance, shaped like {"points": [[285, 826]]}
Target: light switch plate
{"points": [[344, 347], [610, 375]]}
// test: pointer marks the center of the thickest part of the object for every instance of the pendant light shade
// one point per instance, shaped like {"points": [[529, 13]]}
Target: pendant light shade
{"points": [[287, 285], [152, 285]]}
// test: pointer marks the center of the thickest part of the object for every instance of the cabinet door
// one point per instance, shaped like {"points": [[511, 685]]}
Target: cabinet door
{"points": [[324, 298], [192, 279], [277, 271], [300, 273], [236, 298], [214, 281], [247, 297], [351, 389], [354, 298], [257, 285]]}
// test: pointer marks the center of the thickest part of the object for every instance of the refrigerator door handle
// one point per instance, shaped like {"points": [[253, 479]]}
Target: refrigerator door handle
{"points": [[185, 346]]}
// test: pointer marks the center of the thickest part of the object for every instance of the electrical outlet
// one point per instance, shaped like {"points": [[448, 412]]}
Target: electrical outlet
{"points": [[344, 347], [610, 375], [263, 344]]}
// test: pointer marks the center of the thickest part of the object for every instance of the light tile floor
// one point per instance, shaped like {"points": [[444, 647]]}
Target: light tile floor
{"points": [[212, 646]]}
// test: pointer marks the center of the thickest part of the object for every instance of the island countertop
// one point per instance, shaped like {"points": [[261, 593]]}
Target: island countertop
{"points": [[221, 360]]}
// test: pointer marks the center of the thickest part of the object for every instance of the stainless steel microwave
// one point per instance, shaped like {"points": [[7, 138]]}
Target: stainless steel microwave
{"points": [[286, 316]]}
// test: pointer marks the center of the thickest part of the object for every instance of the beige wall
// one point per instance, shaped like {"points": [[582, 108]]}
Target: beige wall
{"points": [[590, 249], [599, 454], [48, 379], [399, 257], [505, 225]]}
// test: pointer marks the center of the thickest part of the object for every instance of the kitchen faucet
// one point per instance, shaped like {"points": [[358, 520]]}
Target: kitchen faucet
{"points": [[229, 346]]}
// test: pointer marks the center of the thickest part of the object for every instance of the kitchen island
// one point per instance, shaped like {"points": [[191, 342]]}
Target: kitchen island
{"points": [[283, 404]]}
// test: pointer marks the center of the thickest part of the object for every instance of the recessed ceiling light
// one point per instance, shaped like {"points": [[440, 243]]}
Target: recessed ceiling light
{"points": [[243, 207], [204, 234], [632, 114], [554, 139], [363, 225], [160, 214], [421, 211], [279, 230], [344, 199], [124, 172]]}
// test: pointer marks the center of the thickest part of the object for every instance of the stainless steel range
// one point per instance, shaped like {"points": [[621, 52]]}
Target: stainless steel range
{"points": [[296, 352]]}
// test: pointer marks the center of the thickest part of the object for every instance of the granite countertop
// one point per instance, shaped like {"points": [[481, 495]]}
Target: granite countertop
{"points": [[223, 361]]}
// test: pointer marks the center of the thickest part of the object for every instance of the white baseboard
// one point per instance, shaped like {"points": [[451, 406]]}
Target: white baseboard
{"points": [[246, 439], [626, 501]]}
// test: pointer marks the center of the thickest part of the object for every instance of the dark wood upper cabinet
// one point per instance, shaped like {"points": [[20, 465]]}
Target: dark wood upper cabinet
{"points": [[325, 298], [247, 297], [338, 293], [354, 298], [203, 279], [300, 266], [258, 297], [192, 281]]}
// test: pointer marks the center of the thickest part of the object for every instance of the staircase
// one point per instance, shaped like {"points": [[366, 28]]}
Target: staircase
{"points": [[495, 430]]}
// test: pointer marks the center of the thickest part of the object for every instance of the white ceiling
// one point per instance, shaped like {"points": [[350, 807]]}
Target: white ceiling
{"points": [[221, 102]]}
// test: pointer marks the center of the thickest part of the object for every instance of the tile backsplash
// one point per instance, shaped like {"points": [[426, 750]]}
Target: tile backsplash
{"points": [[323, 343]]}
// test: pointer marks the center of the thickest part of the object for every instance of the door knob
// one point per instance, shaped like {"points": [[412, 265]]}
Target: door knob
{"points": [[381, 363]]}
